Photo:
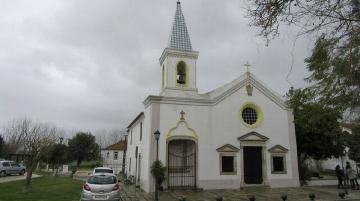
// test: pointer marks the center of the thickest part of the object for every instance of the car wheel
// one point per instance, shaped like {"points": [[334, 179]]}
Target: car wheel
{"points": [[2, 174], [22, 172]]}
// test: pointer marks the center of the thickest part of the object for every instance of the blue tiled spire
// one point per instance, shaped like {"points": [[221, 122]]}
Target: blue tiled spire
{"points": [[179, 37]]}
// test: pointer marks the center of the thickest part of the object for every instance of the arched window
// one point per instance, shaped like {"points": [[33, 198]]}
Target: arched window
{"points": [[181, 73]]}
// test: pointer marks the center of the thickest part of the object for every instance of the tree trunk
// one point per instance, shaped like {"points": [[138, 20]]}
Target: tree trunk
{"points": [[27, 181], [76, 168]]}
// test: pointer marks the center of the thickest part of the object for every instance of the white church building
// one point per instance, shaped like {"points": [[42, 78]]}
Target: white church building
{"points": [[238, 135]]}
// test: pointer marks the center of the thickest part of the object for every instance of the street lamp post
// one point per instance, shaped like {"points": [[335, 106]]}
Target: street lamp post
{"points": [[124, 153], [157, 136], [58, 162]]}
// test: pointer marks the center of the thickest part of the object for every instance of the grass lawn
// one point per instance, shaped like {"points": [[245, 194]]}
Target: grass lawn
{"points": [[46, 188]]}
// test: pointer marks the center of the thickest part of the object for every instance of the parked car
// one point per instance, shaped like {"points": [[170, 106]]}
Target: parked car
{"points": [[11, 167], [103, 170], [101, 186]]}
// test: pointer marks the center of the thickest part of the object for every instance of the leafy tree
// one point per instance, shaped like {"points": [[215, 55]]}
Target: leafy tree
{"points": [[55, 154], [334, 63], [318, 133], [83, 147], [336, 73], [58, 154], [353, 143]]}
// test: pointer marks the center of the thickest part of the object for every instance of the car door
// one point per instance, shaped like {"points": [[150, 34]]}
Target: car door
{"points": [[15, 168], [6, 166]]}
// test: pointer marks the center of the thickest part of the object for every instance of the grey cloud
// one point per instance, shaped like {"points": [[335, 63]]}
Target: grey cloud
{"points": [[88, 65]]}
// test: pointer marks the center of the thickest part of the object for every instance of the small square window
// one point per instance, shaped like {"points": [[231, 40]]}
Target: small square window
{"points": [[227, 164], [278, 165], [115, 155], [278, 162]]}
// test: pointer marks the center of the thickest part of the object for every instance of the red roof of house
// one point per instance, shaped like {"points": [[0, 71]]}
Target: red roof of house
{"points": [[121, 145]]}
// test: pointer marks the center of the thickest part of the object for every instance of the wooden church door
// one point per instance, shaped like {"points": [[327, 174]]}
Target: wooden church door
{"points": [[253, 165]]}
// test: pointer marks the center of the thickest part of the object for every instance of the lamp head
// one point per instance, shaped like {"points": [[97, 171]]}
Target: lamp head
{"points": [[157, 134]]}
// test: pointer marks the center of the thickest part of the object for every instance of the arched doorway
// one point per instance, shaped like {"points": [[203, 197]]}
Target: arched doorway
{"points": [[181, 164]]}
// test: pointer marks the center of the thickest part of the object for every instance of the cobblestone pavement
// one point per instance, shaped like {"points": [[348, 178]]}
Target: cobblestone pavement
{"points": [[261, 194]]}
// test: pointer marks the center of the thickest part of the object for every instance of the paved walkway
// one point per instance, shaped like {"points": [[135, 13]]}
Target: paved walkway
{"points": [[328, 193], [15, 178]]}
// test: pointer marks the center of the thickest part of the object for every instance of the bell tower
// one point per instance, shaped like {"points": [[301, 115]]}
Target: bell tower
{"points": [[178, 61]]}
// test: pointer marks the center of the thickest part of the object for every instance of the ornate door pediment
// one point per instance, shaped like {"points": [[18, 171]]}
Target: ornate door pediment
{"points": [[253, 136]]}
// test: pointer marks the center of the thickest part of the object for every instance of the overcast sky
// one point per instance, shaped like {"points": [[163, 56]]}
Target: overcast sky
{"points": [[88, 65]]}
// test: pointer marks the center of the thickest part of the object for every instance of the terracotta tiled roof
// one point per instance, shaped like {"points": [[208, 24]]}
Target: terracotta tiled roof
{"points": [[121, 145]]}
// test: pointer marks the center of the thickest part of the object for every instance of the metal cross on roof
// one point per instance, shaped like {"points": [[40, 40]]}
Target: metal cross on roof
{"points": [[247, 66]]}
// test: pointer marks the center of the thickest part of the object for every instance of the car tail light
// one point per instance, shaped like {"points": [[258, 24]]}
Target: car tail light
{"points": [[86, 187], [116, 187]]}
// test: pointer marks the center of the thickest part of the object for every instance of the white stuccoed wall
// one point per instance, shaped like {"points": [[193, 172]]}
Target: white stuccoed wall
{"points": [[216, 125]]}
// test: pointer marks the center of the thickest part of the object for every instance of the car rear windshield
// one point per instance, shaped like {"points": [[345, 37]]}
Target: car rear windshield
{"points": [[102, 179], [103, 171]]}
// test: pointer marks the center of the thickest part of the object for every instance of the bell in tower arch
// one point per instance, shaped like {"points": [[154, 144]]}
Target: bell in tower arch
{"points": [[181, 73]]}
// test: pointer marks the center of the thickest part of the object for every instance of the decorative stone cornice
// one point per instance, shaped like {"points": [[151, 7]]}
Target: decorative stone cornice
{"points": [[278, 149], [214, 97], [175, 100], [253, 136], [227, 148], [178, 53]]}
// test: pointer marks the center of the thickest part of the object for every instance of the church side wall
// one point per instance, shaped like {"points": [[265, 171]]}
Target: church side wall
{"points": [[151, 124], [133, 141]]}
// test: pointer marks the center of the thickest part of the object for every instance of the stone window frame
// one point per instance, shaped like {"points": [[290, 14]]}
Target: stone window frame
{"points": [[278, 151], [228, 150]]}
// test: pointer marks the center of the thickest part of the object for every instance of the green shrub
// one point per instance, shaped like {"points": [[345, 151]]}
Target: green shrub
{"points": [[158, 171]]}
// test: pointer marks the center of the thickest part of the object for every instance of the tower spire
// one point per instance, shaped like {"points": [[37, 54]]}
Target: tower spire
{"points": [[179, 36]]}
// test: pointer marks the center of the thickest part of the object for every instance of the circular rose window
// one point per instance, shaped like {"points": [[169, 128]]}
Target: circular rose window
{"points": [[251, 115]]}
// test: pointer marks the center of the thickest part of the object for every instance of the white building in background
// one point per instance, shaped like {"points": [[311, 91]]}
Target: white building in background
{"points": [[113, 155], [330, 164], [240, 134]]}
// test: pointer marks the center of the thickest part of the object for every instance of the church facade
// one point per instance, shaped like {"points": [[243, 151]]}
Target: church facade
{"points": [[240, 134]]}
